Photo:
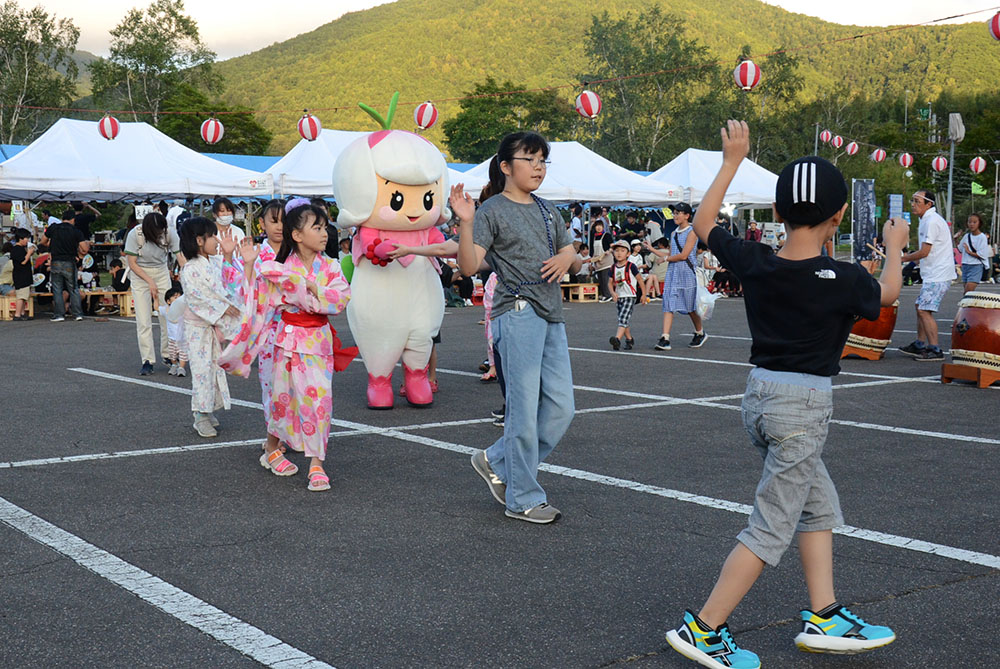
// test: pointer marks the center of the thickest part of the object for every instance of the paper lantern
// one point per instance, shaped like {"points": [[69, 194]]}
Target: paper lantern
{"points": [[425, 115], [994, 26], [837, 141], [309, 126], [588, 104], [825, 136], [747, 75], [939, 164], [905, 160], [978, 164], [852, 148], [878, 155], [212, 131], [108, 127]]}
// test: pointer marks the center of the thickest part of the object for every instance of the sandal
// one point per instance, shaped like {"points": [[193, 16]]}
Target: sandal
{"points": [[278, 463], [318, 480], [488, 378]]}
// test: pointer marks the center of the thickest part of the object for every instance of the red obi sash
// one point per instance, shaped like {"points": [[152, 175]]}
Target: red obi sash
{"points": [[342, 357]]}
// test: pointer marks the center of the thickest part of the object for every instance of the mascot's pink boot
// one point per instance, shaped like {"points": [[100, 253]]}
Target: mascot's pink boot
{"points": [[418, 388], [379, 392]]}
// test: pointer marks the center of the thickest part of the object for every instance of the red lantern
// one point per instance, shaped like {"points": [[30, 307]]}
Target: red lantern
{"points": [[588, 104], [309, 126], [825, 136], [212, 131], [978, 164], [837, 142], [994, 26], [939, 164], [878, 155], [905, 160], [852, 148], [747, 75], [425, 115], [108, 127]]}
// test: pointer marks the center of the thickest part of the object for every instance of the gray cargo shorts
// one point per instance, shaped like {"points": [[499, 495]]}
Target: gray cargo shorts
{"points": [[787, 416]]}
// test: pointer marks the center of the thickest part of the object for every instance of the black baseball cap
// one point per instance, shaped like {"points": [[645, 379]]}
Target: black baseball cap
{"points": [[683, 207], [810, 190]]}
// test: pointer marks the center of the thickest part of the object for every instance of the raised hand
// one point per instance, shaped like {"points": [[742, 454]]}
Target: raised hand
{"points": [[248, 250], [896, 234], [461, 203], [735, 141], [227, 243]]}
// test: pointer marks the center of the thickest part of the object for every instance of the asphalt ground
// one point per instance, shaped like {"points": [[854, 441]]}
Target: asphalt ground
{"points": [[129, 541]]}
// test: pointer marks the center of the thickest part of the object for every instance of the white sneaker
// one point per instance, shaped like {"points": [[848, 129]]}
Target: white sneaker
{"points": [[181, 371], [173, 370], [203, 425]]}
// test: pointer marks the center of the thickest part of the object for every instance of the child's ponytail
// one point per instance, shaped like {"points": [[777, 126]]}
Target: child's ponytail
{"points": [[531, 142], [497, 180]]}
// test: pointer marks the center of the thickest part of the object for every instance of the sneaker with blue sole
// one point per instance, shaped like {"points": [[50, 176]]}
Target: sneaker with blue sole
{"points": [[836, 630], [710, 648]]}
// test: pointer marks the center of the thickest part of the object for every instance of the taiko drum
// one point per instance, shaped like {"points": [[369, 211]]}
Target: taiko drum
{"points": [[975, 333], [869, 339]]}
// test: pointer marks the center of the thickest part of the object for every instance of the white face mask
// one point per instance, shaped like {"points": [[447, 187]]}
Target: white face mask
{"points": [[225, 220]]}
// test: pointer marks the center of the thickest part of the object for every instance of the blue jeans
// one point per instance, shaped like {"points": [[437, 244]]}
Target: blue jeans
{"points": [[63, 277], [534, 355]]}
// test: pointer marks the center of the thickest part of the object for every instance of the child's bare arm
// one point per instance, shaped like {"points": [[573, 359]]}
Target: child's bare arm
{"points": [[896, 233], [735, 147]]}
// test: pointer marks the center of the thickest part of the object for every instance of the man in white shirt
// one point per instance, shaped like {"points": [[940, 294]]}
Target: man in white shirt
{"points": [[576, 225], [937, 270]]}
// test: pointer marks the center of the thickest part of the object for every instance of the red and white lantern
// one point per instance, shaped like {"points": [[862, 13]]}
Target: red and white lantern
{"points": [[425, 115], [852, 148], [108, 127], [837, 141], [588, 104], [939, 164], [309, 126], [212, 131], [747, 75], [825, 136], [878, 155], [905, 160], [994, 26], [978, 164]]}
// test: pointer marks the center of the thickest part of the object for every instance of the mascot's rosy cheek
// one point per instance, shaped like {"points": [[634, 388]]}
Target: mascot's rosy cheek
{"points": [[391, 186]]}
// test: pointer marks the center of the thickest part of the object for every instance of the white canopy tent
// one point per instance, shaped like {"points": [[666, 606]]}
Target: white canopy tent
{"points": [[695, 170], [577, 174], [71, 161], [308, 168]]}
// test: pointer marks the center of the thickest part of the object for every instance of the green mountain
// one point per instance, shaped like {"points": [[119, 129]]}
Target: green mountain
{"points": [[437, 49]]}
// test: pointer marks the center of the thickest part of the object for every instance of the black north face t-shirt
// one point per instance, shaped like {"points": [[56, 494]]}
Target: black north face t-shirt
{"points": [[799, 311]]}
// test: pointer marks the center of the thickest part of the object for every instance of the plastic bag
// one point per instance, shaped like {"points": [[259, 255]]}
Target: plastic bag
{"points": [[705, 303]]}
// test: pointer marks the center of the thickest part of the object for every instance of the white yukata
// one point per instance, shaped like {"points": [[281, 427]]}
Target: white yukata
{"points": [[205, 323]]}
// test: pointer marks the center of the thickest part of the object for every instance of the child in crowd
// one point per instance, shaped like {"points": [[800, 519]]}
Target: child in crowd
{"points": [[21, 274], [172, 314], [211, 317], [680, 288], [120, 282], [800, 308], [304, 286], [627, 285], [526, 243]]}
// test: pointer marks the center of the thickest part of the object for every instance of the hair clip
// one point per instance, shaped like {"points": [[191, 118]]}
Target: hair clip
{"points": [[296, 202]]}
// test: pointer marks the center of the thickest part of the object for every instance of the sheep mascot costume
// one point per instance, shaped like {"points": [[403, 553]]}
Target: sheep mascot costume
{"points": [[393, 186]]}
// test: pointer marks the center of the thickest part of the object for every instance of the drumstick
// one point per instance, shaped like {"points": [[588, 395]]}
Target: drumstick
{"points": [[875, 250]]}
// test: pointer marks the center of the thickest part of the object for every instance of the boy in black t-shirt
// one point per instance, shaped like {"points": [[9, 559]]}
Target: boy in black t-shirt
{"points": [[800, 308], [20, 258]]}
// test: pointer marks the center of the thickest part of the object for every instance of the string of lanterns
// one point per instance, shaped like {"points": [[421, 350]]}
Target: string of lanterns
{"points": [[938, 164]]}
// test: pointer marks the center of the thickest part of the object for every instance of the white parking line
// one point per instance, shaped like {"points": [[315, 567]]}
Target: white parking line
{"points": [[233, 632]]}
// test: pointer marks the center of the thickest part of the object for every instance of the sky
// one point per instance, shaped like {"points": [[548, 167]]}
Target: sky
{"points": [[235, 27]]}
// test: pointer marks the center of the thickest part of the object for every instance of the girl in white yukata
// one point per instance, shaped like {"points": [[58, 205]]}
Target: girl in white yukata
{"points": [[305, 287], [211, 317]]}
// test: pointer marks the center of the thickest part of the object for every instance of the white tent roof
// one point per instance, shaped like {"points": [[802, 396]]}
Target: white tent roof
{"points": [[695, 170], [71, 161], [308, 168], [577, 174]]}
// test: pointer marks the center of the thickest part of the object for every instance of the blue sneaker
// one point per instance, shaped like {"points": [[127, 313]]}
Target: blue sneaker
{"points": [[837, 630], [710, 648]]}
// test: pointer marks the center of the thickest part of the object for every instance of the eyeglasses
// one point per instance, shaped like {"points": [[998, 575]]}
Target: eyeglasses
{"points": [[535, 162]]}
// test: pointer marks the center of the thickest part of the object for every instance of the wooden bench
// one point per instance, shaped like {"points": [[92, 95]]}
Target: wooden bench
{"points": [[8, 307], [579, 292], [121, 299]]}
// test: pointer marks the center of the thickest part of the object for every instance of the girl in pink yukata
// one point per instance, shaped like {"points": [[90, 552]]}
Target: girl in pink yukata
{"points": [[271, 220], [305, 286], [211, 317]]}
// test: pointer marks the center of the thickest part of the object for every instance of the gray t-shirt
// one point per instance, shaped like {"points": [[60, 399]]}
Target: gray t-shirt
{"points": [[516, 244], [150, 254]]}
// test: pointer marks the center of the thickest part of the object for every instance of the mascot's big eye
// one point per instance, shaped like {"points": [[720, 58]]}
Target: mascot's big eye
{"points": [[396, 201], [428, 200]]}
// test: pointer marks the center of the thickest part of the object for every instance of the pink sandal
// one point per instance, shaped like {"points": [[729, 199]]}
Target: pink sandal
{"points": [[318, 480], [278, 463]]}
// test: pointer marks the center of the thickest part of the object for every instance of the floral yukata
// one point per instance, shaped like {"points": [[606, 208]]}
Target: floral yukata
{"points": [[206, 325], [306, 349]]}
